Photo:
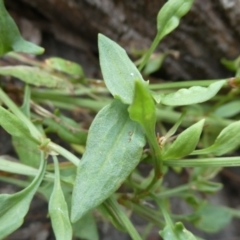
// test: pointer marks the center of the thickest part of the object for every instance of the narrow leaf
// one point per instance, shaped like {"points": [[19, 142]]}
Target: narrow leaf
{"points": [[10, 38], [65, 66], [14, 207], [192, 95], [176, 232], [13, 125], [35, 76], [114, 147], [118, 70], [58, 209], [227, 141], [229, 109], [185, 143]]}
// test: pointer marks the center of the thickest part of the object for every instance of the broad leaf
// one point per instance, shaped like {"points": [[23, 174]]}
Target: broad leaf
{"points": [[192, 95], [176, 232], [58, 209], [143, 109], [10, 38], [35, 76], [212, 218], [227, 141], [118, 70], [14, 207], [185, 143], [114, 147], [13, 125]]}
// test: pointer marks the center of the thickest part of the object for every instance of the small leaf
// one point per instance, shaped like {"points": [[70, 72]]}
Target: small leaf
{"points": [[114, 147], [192, 95], [229, 109], [10, 38], [212, 218], [227, 141], [118, 70], [13, 125], [86, 228], [65, 66], [167, 20], [154, 63], [207, 186], [14, 207], [58, 209], [170, 14], [185, 143], [176, 232], [35, 76], [143, 109]]}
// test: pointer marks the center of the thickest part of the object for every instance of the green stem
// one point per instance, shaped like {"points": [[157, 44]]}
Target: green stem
{"points": [[154, 45], [205, 162], [124, 219], [184, 84], [68, 155]]}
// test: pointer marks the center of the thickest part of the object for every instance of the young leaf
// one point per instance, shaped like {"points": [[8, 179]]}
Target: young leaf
{"points": [[176, 232], [167, 20], [35, 76], [14, 207], [227, 140], [212, 218], [192, 95], [185, 143], [65, 66], [114, 147], [229, 109], [86, 228], [11, 40], [13, 125], [58, 209], [118, 70], [143, 109]]}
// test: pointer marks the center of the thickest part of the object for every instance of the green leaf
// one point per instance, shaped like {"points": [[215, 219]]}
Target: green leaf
{"points": [[10, 38], [35, 76], [192, 95], [176, 232], [58, 209], [118, 70], [27, 151], [207, 186], [114, 147], [170, 14], [65, 66], [86, 228], [167, 20], [154, 63], [14, 207], [13, 125], [185, 143], [212, 218], [227, 141], [229, 109], [143, 109]]}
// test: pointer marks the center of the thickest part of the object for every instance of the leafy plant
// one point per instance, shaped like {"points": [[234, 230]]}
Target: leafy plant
{"points": [[123, 134]]}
